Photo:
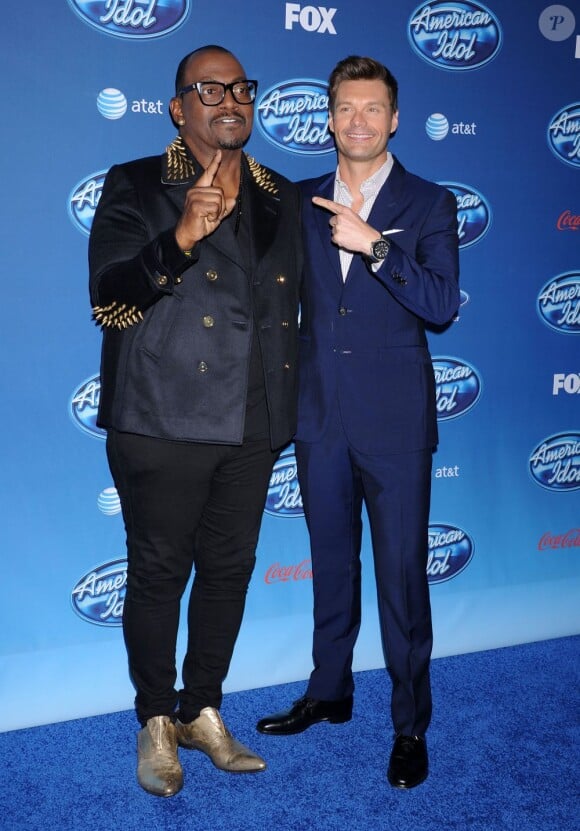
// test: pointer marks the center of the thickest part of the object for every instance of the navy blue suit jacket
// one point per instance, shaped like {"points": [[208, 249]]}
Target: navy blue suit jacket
{"points": [[362, 341]]}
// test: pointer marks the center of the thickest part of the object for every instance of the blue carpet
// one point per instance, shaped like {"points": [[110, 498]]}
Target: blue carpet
{"points": [[503, 750]]}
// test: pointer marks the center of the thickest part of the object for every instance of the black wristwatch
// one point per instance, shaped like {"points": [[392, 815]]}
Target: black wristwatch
{"points": [[379, 249]]}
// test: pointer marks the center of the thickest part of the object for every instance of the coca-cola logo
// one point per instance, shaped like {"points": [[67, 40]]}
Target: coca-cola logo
{"points": [[555, 462], [567, 221], [450, 552], [569, 539], [293, 115], [284, 497], [99, 595], [454, 35], [558, 303], [278, 573], [457, 387]]}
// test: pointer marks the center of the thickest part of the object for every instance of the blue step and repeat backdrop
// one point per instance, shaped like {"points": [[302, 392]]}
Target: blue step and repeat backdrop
{"points": [[489, 107]]}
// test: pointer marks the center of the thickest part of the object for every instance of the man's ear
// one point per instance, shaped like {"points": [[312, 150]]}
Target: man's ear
{"points": [[176, 111]]}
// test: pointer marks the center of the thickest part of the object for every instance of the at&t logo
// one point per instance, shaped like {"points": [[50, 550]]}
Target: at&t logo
{"points": [[564, 134], [450, 552], [135, 19], [559, 303], [84, 199], [310, 18], [473, 213], [454, 35], [555, 463], [284, 497], [458, 387], [84, 407], [293, 116], [98, 597]]}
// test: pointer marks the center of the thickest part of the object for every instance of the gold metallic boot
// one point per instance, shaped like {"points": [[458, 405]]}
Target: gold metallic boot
{"points": [[159, 771], [209, 734]]}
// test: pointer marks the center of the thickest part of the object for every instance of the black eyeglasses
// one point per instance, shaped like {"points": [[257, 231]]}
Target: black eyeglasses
{"points": [[212, 93]]}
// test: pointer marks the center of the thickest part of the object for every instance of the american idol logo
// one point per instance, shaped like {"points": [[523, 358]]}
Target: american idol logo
{"points": [[99, 595], [84, 406], [564, 134], [84, 199], [454, 35], [555, 463], [458, 387], [284, 497], [293, 116], [559, 303], [450, 552], [135, 19], [473, 213]]}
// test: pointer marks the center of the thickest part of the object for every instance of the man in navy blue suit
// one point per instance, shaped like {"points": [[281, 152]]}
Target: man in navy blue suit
{"points": [[381, 260]]}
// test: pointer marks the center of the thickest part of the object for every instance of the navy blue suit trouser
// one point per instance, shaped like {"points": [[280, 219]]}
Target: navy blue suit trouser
{"points": [[335, 479]]}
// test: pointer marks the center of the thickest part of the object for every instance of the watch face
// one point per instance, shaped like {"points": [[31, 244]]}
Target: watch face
{"points": [[380, 249]]}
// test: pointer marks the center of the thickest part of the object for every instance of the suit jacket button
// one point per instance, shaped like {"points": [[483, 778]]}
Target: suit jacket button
{"points": [[281, 279], [211, 274], [285, 324], [208, 321], [161, 280], [178, 280], [202, 366], [286, 366], [342, 311]]}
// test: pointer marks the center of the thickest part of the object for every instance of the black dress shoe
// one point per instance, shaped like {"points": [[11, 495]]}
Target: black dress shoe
{"points": [[408, 765], [303, 714]]}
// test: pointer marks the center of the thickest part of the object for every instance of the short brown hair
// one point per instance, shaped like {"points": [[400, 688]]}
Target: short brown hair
{"points": [[357, 68]]}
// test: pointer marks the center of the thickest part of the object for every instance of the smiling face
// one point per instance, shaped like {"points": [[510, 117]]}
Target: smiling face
{"points": [[207, 129], [362, 119]]}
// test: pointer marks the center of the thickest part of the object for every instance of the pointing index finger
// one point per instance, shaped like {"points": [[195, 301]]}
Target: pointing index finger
{"points": [[208, 175], [328, 204]]}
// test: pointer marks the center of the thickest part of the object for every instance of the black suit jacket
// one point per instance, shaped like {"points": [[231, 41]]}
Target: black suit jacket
{"points": [[177, 330]]}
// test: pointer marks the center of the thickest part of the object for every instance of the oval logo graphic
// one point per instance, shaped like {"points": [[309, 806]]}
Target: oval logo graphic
{"points": [[454, 35], [84, 405], [564, 134], [437, 126], [135, 19], [559, 303], [450, 552], [99, 595], [293, 115], [555, 463], [458, 387], [473, 213], [111, 103], [284, 497], [84, 199]]}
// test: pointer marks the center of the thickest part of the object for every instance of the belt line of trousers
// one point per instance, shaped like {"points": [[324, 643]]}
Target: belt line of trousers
{"points": [[186, 506]]}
